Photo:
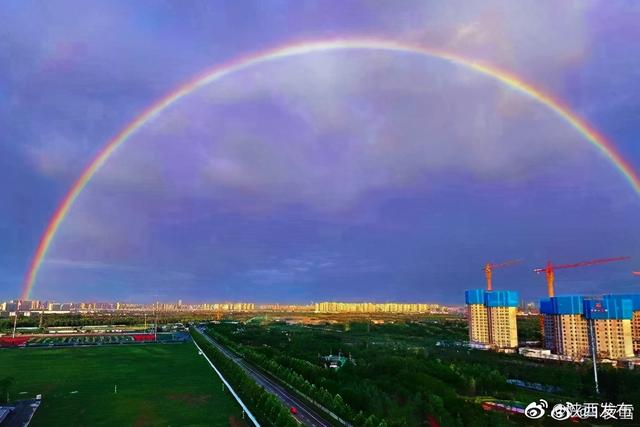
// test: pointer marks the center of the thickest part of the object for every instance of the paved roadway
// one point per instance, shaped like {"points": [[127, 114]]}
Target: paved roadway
{"points": [[306, 415], [21, 414]]}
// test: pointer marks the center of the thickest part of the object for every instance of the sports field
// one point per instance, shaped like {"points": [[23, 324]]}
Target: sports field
{"points": [[157, 385]]}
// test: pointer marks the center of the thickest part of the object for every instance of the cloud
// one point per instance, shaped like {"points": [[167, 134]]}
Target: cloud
{"points": [[313, 268], [381, 122], [361, 169], [524, 37], [117, 267], [89, 265]]}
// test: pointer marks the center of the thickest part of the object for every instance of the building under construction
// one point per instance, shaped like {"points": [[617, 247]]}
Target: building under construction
{"points": [[573, 326], [572, 321], [635, 319], [564, 327], [492, 318]]}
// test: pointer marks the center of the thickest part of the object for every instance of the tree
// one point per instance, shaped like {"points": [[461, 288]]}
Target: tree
{"points": [[283, 419], [371, 421]]}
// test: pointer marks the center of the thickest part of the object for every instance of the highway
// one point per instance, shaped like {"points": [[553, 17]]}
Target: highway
{"points": [[306, 415]]}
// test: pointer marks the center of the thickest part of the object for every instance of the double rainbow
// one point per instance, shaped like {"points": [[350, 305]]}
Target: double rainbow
{"points": [[220, 71]]}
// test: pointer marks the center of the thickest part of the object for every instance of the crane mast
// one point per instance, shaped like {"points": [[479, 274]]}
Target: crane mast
{"points": [[489, 267], [488, 273]]}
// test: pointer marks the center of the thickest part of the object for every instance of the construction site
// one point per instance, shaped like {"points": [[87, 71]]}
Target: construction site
{"points": [[603, 328]]}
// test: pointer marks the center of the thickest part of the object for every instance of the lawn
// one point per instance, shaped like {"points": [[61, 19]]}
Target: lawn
{"points": [[157, 385]]}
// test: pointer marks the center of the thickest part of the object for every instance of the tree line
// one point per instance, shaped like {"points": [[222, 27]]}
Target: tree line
{"points": [[266, 407]]}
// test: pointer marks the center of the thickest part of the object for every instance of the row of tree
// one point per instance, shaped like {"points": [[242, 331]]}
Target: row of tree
{"points": [[293, 379], [392, 381], [404, 375], [266, 407]]}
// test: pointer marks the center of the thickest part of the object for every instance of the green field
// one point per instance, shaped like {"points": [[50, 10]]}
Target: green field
{"points": [[158, 385]]}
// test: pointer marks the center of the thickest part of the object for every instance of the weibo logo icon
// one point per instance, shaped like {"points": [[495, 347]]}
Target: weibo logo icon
{"points": [[535, 410]]}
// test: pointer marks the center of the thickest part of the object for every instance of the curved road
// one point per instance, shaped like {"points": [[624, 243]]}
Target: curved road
{"points": [[306, 415]]}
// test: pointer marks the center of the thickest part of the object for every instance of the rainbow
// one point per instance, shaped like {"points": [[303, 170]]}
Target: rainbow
{"points": [[225, 69]]}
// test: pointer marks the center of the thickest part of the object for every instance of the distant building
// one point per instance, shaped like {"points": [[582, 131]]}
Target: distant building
{"points": [[52, 306], [334, 361], [492, 318], [10, 306], [369, 307], [540, 353]]}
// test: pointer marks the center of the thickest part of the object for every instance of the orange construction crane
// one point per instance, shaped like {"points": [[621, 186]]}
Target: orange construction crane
{"points": [[489, 267], [550, 268]]}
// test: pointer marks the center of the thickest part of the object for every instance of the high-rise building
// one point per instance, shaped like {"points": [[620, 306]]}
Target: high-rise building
{"points": [[502, 307], [635, 318], [611, 317], [567, 326], [477, 317], [565, 329], [492, 318]]}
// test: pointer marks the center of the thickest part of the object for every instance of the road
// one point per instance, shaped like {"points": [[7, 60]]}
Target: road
{"points": [[23, 411], [306, 415]]}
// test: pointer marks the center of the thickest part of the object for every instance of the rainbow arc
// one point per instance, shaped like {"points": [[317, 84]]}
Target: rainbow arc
{"points": [[212, 75]]}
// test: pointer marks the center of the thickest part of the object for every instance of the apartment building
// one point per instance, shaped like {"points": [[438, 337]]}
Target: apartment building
{"points": [[492, 318], [568, 320]]}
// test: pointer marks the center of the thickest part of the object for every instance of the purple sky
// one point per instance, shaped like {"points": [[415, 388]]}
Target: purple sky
{"points": [[328, 176]]}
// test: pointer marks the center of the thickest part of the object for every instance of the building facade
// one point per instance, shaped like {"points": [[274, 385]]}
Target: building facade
{"points": [[635, 319], [369, 307], [492, 318], [568, 321], [565, 329], [611, 318], [477, 316]]}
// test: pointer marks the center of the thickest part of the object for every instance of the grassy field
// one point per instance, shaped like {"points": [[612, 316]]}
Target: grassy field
{"points": [[158, 385]]}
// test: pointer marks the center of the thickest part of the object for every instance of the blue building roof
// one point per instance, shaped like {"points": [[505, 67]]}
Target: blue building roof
{"points": [[474, 296], [564, 304], [501, 298], [635, 300], [546, 307], [608, 307]]}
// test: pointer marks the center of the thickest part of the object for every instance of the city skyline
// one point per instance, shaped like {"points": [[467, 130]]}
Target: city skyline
{"points": [[30, 307], [324, 175]]}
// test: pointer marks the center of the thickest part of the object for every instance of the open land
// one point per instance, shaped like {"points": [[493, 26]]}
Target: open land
{"points": [[157, 384]]}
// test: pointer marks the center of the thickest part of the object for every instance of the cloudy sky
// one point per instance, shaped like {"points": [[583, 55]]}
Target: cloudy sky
{"points": [[341, 175]]}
